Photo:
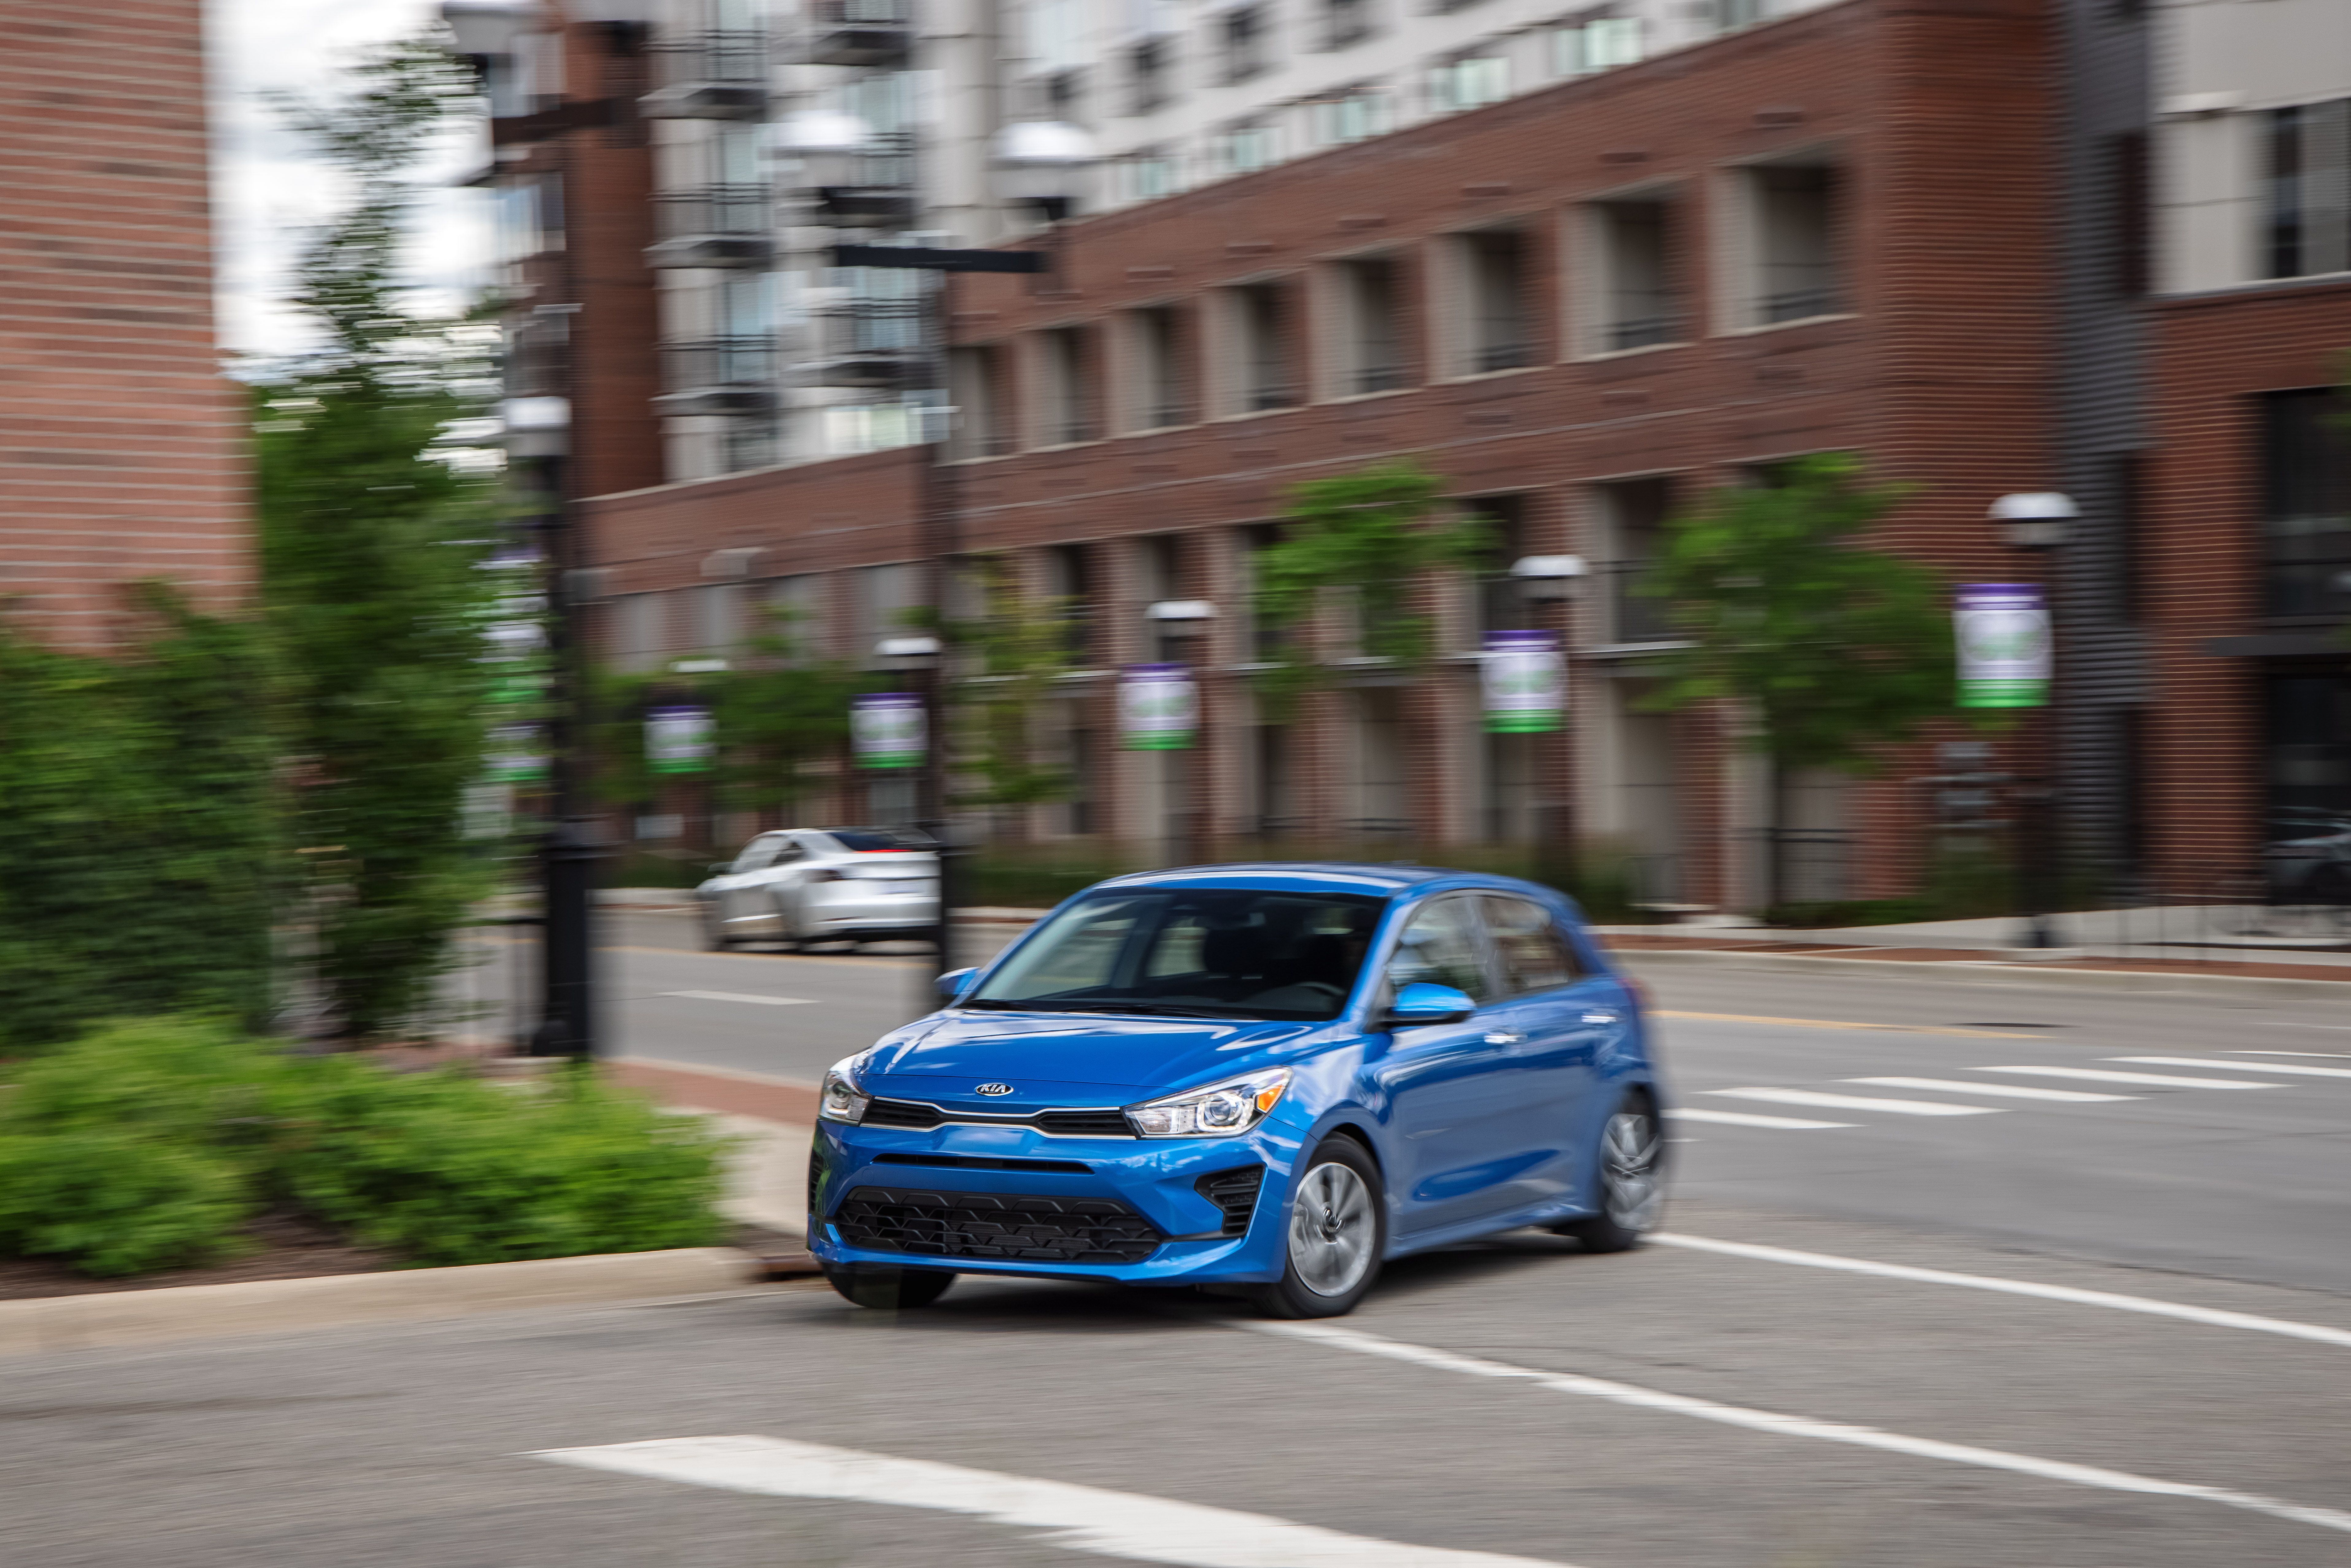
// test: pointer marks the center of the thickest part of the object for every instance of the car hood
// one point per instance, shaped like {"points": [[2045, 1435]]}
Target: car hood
{"points": [[1137, 1056]]}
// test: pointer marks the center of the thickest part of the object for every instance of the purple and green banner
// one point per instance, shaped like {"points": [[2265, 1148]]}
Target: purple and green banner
{"points": [[680, 737], [1158, 706], [1525, 681], [889, 729], [2004, 647]]}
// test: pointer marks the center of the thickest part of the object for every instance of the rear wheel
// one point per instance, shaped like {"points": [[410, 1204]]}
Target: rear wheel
{"points": [[1630, 1182], [1334, 1233], [713, 931], [890, 1289]]}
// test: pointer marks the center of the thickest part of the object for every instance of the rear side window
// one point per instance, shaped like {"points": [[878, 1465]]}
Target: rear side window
{"points": [[1534, 953], [867, 839], [1440, 947]]}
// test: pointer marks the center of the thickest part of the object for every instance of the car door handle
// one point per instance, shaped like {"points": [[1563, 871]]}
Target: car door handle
{"points": [[1503, 1037], [1598, 1015]]}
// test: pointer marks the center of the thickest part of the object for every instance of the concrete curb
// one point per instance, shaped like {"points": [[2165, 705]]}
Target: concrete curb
{"points": [[2231, 988], [51, 1323]]}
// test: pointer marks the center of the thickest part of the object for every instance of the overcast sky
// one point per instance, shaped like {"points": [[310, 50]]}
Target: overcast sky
{"points": [[267, 193]]}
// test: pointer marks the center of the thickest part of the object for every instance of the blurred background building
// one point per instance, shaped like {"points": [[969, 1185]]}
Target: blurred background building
{"points": [[1586, 263], [124, 453]]}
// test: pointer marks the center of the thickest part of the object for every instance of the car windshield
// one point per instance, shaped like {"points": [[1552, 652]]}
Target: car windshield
{"points": [[866, 840], [1191, 953]]}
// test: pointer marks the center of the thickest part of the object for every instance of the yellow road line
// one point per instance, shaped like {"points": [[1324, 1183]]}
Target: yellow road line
{"points": [[1848, 1024]]}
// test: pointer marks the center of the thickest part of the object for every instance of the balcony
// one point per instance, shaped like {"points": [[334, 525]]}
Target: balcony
{"points": [[712, 226], [860, 33], [708, 76], [718, 376], [874, 343]]}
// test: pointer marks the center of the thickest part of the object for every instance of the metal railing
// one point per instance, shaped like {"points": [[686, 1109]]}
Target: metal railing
{"points": [[1796, 303], [740, 360], [1642, 331], [1379, 377], [738, 56], [875, 325], [1505, 356], [1633, 616], [1270, 397], [714, 210]]}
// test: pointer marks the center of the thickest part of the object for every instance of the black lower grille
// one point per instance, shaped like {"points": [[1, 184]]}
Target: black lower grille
{"points": [[986, 1163], [1011, 1226], [1235, 1192], [1107, 1122]]}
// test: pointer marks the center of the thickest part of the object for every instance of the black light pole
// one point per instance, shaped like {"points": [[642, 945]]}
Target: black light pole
{"points": [[2035, 524]]}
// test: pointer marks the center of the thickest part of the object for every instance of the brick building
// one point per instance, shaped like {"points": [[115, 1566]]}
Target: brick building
{"points": [[1583, 307], [124, 451]]}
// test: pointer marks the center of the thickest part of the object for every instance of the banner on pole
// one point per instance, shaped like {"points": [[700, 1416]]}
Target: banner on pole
{"points": [[889, 729], [517, 754], [1158, 706], [1525, 680], [679, 739], [2004, 647]]}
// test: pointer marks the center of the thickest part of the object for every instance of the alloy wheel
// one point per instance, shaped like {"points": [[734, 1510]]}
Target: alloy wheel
{"points": [[1333, 1229], [1629, 1155]]}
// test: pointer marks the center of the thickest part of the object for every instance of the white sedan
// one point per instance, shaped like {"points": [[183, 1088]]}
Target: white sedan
{"points": [[824, 885]]}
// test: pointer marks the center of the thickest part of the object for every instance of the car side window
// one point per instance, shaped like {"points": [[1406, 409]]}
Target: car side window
{"points": [[1441, 946], [758, 855], [788, 851], [1535, 954]]}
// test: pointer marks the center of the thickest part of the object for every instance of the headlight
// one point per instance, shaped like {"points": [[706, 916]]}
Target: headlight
{"points": [[1219, 1110], [842, 1101]]}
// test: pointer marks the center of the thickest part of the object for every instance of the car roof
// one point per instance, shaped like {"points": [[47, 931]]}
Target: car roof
{"points": [[1311, 876]]}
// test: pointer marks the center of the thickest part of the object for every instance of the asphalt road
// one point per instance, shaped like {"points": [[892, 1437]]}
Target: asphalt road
{"points": [[2050, 1333]]}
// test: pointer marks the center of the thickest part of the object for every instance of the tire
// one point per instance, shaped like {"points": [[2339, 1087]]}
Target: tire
{"points": [[1630, 1182], [1334, 1233], [788, 935], [890, 1290], [713, 935]]}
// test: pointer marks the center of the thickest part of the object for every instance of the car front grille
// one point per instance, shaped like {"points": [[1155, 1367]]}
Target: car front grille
{"points": [[1235, 1192], [1107, 1121], [1010, 1227]]}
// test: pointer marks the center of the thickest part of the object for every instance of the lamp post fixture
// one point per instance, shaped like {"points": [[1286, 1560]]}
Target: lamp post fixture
{"points": [[2035, 524], [1184, 625], [1550, 584]]}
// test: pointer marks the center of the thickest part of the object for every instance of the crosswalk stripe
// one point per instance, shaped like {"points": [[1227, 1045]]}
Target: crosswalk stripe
{"points": [[2293, 1067], [1857, 1102], [2102, 1075], [1074, 1517], [2005, 1091], [1746, 1119]]}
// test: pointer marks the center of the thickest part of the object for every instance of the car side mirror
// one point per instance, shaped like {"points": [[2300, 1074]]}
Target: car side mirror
{"points": [[721, 868], [1424, 1003], [956, 982]]}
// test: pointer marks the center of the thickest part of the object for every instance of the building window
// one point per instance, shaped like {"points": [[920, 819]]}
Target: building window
{"points": [[1068, 584], [1148, 174], [1247, 38], [1248, 147], [1158, 386], [1633, 514], [1262, 321], [1068, 389], [1500, 605], [1795, 224], [2126, 220], [2305, 505], [976, 375], [1150, 74], [1498, 335], [796, 616], [1355, 114], [1731, 13], [1057, 34], [2309, 216], [1345, 23], [1471, 82], [1600, 44], [1637, 305], [1371, 308]]}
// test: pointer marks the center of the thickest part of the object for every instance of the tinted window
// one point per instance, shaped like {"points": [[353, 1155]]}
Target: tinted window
{"points": [[866, 839], [1216, 952], [1534, 955], [759, 854], [1440, 947]]}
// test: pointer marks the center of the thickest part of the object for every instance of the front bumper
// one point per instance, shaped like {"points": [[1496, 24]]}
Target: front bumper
{"points": [[1017, 1201]]}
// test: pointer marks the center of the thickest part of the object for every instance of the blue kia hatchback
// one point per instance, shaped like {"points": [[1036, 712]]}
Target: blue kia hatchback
{"points": [[1268, 1078]]}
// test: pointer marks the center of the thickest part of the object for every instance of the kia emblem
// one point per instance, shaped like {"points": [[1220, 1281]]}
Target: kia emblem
{"points": [[993, 1090]]}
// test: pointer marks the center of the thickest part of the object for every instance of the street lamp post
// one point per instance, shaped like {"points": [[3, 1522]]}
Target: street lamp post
{"points": [[1183, 623], [1550, 584], [2036, 524]]}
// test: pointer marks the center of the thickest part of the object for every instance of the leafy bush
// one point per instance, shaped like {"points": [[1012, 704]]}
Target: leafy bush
{"points": [[144, 1144], [114, 1203]]}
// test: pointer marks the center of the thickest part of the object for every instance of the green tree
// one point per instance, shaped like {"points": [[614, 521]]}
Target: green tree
{"points": [[1371, 536], [782, 719], [1832, 648], [1018, 644], [372, 546]]}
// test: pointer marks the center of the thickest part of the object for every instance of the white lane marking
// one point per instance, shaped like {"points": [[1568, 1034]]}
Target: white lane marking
{"points": [[1858, 1102], [2291, 1067], [2329, 1055], [2293, 1023], [1074, 1518], [2210, 1316], [2005, 1091], [1785, 1426], [1745, 1119], [745, 996], [2101, 1075]]}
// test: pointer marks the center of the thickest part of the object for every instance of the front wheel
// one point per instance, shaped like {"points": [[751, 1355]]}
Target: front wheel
{"points": [[890, 1289], [1631, 1181], [714, 938], [1334, 1236]]}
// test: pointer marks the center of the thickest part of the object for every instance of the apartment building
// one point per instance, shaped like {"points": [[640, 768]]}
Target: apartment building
{"points": [[124, 458], [1583, 306]]}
